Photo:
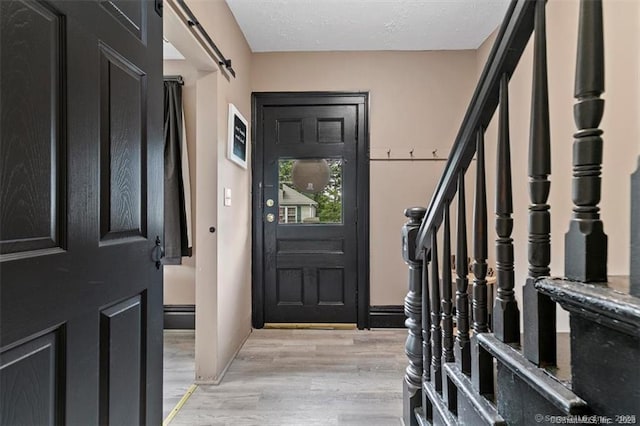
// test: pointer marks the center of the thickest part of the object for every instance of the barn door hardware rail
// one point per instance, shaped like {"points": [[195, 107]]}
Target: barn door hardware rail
{"points": [[192, 21]]}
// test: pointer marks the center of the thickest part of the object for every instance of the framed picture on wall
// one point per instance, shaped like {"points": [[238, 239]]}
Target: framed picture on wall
{"points": [[237, 141]]}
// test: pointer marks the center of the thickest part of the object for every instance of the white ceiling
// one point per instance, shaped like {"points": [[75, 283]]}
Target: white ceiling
{"points": [[170, 52], [327, 25]]}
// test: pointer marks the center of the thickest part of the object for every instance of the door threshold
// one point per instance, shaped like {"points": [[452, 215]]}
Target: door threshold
{"points": [[310, 326]]}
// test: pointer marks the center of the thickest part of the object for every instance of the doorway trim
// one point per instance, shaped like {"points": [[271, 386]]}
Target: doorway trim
{"points": [[261, 99]]}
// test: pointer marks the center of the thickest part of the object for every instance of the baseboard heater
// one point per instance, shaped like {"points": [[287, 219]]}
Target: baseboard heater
{"points": [[386, 316], [179, 317]]}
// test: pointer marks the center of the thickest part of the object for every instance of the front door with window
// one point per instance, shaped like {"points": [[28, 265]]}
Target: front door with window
{"points": [[307, 194]]}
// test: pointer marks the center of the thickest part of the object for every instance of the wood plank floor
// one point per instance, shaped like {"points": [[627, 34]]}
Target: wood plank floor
{"points": [[306, 377], [179, 367]]}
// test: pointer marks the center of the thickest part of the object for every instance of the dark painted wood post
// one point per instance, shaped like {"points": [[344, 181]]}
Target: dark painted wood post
{"points": [[448, 389], [426, 330], [447, 305], [635, 232], [539, 311], [462, 345], [482, 362], [436, 331], [479, 303], [413, 311], [586, 243], [506, 316], [426, 320]]}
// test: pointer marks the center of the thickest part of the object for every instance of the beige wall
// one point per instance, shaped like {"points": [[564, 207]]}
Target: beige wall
{"points": [[620, 124], [179, 280], [223, 290], [417, 100], [221, 267]]}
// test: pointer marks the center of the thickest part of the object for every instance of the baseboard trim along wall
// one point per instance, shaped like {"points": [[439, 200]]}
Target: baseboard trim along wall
{"points": [[179, 317], [387, 316]]}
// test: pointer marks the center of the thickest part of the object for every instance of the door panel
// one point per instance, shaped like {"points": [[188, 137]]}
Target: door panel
{"points": [[309, 235], [29, 377], [132, 15], [123, 145], [121, 364], [31, 146], [81, 205]]}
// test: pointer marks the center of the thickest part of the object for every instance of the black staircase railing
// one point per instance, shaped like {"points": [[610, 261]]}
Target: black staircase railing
{"points": [[477, 373], [586, 234], [539, 312], [506, 316]]}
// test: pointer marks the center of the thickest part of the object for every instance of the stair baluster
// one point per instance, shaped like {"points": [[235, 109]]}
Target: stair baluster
{"points": [[426, 333], [448, 389], [447, 305], [426, 320], [479, 267], [586, 242], [412, 395], [462, 344], [539, 310], [482, 362], [506, 316], [436, 331]]}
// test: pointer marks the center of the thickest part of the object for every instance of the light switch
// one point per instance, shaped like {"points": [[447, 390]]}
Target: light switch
{"points": [[227, 197]]}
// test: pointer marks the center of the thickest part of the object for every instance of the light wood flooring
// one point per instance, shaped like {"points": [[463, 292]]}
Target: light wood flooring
{"points": [[305, 377], [179, 367]]}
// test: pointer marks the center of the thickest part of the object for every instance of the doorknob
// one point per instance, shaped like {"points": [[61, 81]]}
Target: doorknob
{"points": [[271, 217], [158, 253]]}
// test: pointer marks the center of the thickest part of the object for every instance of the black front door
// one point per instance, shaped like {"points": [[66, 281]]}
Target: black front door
{"points": [[80, 210], [308, 186]]}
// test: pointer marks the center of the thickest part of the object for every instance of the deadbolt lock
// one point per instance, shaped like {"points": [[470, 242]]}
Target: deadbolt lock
{"points": [[269, 202]]}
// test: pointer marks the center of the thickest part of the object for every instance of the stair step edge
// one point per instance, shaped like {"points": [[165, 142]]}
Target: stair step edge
{"points": [[548, 387], [439, 405], [418, 413], [480, 404], [601, 302]]}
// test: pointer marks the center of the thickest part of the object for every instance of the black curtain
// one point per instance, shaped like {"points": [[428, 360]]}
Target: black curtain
{"points": [[176, 242]]}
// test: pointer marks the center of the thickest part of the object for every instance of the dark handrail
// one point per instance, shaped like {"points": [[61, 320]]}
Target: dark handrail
{"points": [[511, 41]]}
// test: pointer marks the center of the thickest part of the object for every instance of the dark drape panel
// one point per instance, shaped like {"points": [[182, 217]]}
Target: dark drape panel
{"points": [[176, 243]]}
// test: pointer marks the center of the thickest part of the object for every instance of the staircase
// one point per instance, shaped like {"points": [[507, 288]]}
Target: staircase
{"points": [[469, 364]]}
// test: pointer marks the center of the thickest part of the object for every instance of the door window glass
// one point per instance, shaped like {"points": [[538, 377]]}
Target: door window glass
{"points": [[310, 191]]}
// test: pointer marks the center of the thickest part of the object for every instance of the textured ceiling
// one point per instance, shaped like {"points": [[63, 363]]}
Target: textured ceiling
{"points": [[170, 52], [312, 25]]}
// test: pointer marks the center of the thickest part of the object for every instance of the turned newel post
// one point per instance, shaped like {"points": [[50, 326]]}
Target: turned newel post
{"points": [[413, 311], [586, 242]]}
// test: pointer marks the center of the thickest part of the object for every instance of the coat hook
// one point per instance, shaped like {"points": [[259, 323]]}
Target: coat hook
{"points": [[411, 153], [435, 153], [389, 153]]}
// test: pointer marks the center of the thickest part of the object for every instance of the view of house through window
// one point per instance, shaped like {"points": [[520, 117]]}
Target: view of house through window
{"points": [[310, 191]]}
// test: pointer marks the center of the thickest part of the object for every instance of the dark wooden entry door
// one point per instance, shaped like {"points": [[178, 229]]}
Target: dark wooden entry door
{"points": [[80, 209], [310, 146]]}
